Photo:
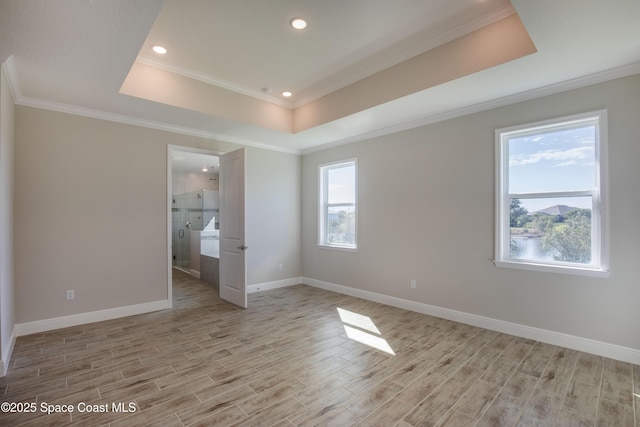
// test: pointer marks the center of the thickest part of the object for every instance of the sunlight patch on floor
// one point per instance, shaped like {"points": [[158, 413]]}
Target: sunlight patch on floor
{"points": [[357, 320], [362, 330]]}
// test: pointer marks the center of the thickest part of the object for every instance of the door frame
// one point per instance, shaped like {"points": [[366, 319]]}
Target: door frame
{"points": [[170, 149]]}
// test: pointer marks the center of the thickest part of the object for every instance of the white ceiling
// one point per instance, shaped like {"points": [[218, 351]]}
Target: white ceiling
{"points": [[249, 45], [192, 162], [75, 55]]}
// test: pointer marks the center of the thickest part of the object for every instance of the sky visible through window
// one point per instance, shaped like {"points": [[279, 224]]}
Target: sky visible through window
{"points": [[562, 160], [342, 186]]}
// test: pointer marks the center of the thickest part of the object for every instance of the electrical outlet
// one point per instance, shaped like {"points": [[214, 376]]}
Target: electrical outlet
{"points": [[70, 294], [413, 284], [280, 267]]}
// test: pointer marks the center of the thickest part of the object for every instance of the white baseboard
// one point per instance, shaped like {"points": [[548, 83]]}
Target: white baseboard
{"points": [[194, 273], [274, 285], [6, 354], [84, 318], [599, 348]]}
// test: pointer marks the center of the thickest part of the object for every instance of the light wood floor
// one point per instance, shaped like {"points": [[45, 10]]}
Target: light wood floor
{"points": [[293, 359]]}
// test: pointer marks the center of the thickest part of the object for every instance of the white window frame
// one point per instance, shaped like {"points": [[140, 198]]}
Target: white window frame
{"points": [[323, 204], [599, 266]]}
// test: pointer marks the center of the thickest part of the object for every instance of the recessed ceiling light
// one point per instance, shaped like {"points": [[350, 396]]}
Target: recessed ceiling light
{"points": [[298, 23], [205, 170], [160, 50], [287, 94]]}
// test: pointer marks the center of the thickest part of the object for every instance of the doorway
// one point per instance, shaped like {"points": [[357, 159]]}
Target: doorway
{"points": [[201, 214], [193, 212]]}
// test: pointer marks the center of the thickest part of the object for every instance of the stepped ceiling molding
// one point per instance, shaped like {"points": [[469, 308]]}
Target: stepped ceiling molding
{"points": [[360, 69]]}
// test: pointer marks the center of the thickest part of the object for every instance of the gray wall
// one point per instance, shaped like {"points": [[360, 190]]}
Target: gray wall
{"points": [[7, 287], [426, 212], [91, 213], [272, 216]]}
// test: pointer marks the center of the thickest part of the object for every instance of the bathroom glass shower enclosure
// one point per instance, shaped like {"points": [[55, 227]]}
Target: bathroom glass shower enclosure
{"points": [[190, 211]]}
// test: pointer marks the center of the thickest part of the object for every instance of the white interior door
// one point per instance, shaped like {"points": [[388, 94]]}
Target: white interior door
{"points": [[233, 285]]}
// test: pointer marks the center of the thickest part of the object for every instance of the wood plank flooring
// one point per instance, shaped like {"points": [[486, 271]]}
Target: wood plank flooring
{"points": [[301, 356]]}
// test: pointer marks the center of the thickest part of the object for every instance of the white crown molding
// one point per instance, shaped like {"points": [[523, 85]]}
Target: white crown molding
{"points": [[19, 99], [211, 80], [91, 317], [392, 58], [400, 55], [151, 124], [613, 351], [611, 74]]}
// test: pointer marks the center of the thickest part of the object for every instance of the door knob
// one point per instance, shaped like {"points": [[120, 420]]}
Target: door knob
{"points": [[243, 247]]}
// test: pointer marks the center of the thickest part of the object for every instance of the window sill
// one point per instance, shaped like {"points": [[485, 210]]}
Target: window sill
{"points": [[338, 248], [560, 269]]}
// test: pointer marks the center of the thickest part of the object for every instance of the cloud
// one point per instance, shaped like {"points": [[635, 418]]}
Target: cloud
{"points": [[587, 140], [567, 163], [567, 156]]}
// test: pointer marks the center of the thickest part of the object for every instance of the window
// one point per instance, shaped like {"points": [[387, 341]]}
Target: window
{"points": [[337, 224], [551, 211]]}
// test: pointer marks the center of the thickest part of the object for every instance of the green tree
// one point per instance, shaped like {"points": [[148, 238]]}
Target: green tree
{"points": [[571, 240], [518, 214], [542, 222], [341, 227], [518, 217]]}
